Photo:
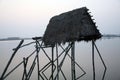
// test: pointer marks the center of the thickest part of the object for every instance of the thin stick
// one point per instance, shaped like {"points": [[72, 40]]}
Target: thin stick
{"points": [[93, 61]]}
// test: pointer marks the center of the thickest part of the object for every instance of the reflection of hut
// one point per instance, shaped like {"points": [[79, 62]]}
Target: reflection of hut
{"points": [[74, 25]]}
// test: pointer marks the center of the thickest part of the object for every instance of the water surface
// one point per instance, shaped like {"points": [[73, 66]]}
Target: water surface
{"points": [[109, 49]]}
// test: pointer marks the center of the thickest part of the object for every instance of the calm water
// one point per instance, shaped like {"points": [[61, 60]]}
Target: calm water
{"points": [[109, 49]]}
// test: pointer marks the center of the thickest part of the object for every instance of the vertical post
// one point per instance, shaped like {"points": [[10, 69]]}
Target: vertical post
{"points": [[73, 74], [21, 42], [25, 71], [52, 63], [57, 62], [93, 61], [37, 55], [25, 75]]}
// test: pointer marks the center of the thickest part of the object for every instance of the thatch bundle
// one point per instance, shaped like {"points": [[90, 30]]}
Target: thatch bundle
{"points": [[74, 25]]}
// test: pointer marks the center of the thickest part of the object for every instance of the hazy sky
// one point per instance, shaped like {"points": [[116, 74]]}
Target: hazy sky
{"points": [[28, 18]]}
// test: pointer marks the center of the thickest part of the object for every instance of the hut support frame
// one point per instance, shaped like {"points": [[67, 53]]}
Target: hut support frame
{"points": [[93, 61], [56, 63]]}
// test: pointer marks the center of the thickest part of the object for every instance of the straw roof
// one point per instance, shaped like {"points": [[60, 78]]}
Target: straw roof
{"points": [[74, 25]]}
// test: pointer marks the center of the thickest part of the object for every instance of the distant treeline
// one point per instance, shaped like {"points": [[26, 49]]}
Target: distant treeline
{"points": [[10, 38], [18, 38], [111, 35]]}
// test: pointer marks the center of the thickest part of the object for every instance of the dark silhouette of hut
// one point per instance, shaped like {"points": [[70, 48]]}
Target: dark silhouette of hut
{"points": [[71, 26]]}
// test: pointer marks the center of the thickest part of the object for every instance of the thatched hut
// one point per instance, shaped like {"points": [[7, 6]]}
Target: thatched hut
{"points": [[74, 25]]}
